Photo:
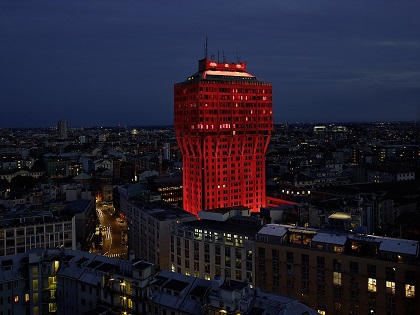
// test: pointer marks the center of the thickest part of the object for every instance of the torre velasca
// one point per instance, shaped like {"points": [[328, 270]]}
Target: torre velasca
{"points": [[223, 124]]}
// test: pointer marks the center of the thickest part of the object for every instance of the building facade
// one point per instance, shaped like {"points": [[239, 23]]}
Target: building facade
{"points": [[21, 231], [223, 124], [339, 272], [73, 282], [149, 235], [221, 243]]}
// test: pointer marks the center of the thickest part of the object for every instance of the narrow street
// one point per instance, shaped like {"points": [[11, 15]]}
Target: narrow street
{"points": [[112, 232]]}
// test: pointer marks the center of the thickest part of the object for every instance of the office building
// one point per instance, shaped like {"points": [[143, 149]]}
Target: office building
{"points": [[62, 129], [223, 124], [339, 272], [24, 228], [151, 222], [221, 243]]}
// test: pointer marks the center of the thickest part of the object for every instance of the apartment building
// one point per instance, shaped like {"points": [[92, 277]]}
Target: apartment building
{"points": [[24, 229], [221, 243], [339, 272], [84, 211], [76, 282], [149, 235]]}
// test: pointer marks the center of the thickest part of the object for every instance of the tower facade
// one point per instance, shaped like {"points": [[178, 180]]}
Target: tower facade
{"points": [[223, 124]]}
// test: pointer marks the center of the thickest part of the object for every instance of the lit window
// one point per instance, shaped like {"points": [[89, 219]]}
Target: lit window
{"points": [[337, 278], [16, 299], [410, 290], [390, 287], [372, 285]]}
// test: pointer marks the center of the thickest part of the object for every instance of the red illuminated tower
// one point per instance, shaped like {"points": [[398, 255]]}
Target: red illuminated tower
{"points": [[223, 124]]}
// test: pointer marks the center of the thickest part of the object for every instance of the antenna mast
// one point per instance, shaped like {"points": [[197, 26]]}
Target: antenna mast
{"points": [[205, 49], [238, 56]]}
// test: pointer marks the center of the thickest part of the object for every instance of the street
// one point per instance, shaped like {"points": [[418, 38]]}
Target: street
{"points": [[111, 234]]}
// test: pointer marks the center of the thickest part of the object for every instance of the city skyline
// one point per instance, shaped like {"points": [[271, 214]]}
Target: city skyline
{"points": [[112, 63]]}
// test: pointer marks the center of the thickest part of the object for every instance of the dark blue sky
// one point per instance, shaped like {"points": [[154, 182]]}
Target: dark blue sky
{"points": [[103, 62]]}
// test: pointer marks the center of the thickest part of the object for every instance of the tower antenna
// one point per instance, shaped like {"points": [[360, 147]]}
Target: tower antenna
{"points": [[224, 58], [205, 49], [238, 56]]}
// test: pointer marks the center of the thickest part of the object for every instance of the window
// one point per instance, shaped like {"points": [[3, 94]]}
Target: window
{"points": [[320, 274], [390, 274], [261, 264], [372, 285], [337, 306], [276, 266], [354, 294], [276, 280], [390, 303], [305, 260], [337, 265], [290, 270], [261, 252], [354, 267], [305, 286], [320, 262], [305, 272], [410, 291], [390, 287], [337, 278], [337, 292], [371, 269], [410, 276], [290, 257], [320, 289]]}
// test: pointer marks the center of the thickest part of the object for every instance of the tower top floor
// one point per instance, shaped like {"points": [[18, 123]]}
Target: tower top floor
{"points": [[208, 64], [223, 72]]}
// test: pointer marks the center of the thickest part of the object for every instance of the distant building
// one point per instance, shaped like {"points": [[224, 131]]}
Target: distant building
{"points": [[388, 173], [169, 188], [167, 151], [62, 129], [26, 228], [85, 217], [9, 175]]}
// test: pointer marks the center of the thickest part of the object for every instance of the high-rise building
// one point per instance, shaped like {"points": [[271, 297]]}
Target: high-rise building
{"points": [[223, 124], [62, 129]]}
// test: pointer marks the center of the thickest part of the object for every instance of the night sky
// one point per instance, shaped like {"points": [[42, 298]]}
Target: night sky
{"points": [[108, 63]]}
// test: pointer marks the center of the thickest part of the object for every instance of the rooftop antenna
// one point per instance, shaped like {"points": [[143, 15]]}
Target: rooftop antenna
{"points": [[238, 56], [205, 49], [224, 58], [218, 60]]}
